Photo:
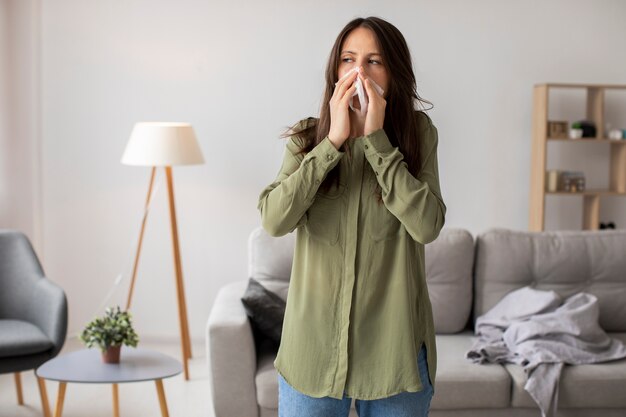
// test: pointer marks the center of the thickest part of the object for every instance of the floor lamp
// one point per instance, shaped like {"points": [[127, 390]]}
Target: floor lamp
{"points": [[157, 144]]}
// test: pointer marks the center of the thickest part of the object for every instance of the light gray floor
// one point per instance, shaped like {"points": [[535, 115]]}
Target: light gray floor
{"points": [[184, 398]]}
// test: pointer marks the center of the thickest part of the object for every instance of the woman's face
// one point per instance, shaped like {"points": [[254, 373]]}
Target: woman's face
{"points": [[361, 49]]}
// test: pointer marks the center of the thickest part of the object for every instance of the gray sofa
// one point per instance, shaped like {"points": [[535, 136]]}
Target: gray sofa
{"points": [[466, 277]]}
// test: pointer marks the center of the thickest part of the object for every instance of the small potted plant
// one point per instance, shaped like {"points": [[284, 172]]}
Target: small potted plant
{"points": [[109, 333]]}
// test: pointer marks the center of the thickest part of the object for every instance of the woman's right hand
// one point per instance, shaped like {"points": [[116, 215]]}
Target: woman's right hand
{"points": [[340, 111]]}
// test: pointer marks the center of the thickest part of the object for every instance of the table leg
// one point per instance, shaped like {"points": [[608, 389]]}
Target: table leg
{"points": [[58, 410], [43, 393], [162, 401], [116, 401]]}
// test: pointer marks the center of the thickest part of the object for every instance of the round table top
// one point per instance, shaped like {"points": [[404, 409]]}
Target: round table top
{"points": [[86, 366]]}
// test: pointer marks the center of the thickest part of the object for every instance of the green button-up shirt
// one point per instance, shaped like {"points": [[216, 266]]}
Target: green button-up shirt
{"points": [[358, 308]]}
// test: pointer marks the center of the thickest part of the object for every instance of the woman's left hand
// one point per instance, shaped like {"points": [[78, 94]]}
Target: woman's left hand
{"points": [[375, 117]]}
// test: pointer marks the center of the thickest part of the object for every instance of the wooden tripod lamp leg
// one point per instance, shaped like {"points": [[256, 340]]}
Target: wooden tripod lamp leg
{"points": [[182, 305], [180, 290], [143, 227]]}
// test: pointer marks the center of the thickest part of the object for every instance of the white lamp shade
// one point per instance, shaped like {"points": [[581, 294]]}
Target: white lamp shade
{"points": [[162, 144]]}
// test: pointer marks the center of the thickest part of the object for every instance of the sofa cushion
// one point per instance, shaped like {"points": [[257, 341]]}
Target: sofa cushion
{"points": [[598, 385], [460, 383], [20, 338], [566, 261], [266, 379], [449, 263], [265, 309], [270, 257]]}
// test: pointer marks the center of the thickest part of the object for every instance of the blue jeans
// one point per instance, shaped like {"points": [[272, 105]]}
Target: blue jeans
{"points": [[293, 403]]}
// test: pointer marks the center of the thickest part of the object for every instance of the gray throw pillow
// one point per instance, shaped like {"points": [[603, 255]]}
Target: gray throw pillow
{"points": [[266, 311]]}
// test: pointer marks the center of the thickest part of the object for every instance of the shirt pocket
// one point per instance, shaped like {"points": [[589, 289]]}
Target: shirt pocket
{"points": [[381, 223], [324, 215]]}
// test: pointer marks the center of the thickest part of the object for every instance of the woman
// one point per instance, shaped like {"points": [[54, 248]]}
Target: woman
{"points": [[361, 186]]}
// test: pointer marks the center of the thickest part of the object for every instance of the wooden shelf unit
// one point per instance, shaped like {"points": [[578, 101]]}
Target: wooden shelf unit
{"points": [[617, 163]]}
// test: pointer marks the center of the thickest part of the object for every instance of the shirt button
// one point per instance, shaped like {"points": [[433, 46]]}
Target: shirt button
{"points": [[366, 147], [329, 156], [376, 172], [317, 181]]}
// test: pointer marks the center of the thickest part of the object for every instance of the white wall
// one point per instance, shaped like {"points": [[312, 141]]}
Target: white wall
{"points": [[19, 118], [4, 109], [240, 72]]}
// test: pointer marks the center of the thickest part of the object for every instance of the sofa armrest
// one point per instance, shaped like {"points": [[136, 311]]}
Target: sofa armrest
{"points": [[231, 354]]}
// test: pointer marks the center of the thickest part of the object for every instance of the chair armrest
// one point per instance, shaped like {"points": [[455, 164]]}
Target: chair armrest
{"points": [[26, 294], [48, 311], [231, 354]]}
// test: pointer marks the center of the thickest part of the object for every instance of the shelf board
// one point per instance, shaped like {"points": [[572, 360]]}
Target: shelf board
{"points": [[591, 140], [568, 85], [586, 192]]}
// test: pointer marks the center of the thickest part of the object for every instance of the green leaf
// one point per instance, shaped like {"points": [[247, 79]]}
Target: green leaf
{"points": [[113, 329]]}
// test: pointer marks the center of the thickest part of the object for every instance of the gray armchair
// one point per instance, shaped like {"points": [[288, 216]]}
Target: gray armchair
{"points": [[33, 312]]}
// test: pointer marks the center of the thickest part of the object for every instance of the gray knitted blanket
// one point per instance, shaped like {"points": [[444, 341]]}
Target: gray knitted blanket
{"points": [[540, 332]]}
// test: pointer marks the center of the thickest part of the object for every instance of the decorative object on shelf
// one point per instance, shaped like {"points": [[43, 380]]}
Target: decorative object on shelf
{"points": [[109, 333], [612, 133], [552, 180], [588, 128], [165, 144], [610, 225], [615, 134], [573, 181], [575, 133], [557, 129]]}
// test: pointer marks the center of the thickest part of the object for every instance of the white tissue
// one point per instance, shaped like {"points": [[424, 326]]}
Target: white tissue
{"points": [[360, 91]]}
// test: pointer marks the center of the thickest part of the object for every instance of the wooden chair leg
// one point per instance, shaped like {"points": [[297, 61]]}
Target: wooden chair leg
{"points": [[45, 405], [18, 388]]}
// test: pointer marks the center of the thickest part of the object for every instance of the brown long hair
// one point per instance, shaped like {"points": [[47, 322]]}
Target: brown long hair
{"points": [[401, 125]]}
